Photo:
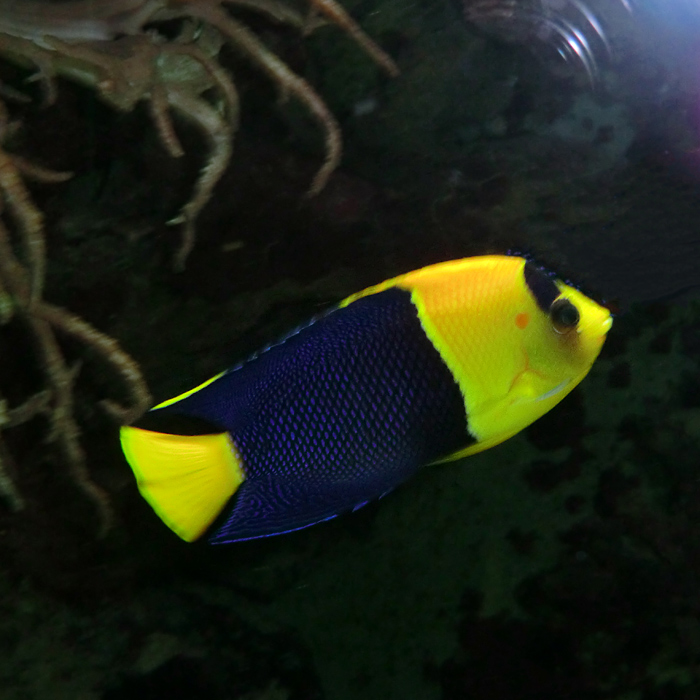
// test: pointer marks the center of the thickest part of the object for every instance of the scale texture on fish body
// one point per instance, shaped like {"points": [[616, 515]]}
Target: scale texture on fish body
{"points": [[427, 367]]}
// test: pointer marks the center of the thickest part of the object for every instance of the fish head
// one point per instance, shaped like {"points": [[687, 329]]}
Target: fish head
{"points": [[551, 336], [515, 339]]}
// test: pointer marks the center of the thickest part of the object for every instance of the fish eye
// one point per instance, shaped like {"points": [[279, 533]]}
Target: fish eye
{"points": [[564, 315]]}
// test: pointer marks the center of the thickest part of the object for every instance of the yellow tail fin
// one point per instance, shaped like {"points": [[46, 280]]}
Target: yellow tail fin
{"points": [[187, 479]]}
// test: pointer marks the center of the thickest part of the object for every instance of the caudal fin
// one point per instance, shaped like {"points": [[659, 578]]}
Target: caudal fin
{"points": [[186, 479]]}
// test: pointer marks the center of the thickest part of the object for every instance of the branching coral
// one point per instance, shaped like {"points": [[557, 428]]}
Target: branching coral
{"points": [[118, 48], [106, 45], [22, 272]]}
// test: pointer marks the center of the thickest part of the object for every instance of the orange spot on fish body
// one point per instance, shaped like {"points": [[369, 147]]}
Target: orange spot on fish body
{"points": [[521, 320]]}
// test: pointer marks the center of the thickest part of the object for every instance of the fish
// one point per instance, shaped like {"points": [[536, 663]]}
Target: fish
{"points": [[425, 368]]}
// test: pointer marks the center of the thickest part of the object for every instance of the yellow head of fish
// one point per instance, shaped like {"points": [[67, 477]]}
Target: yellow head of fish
{"points": [[516, 340]]}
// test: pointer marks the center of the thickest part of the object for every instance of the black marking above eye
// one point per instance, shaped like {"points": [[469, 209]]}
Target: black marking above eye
{"points": [[564, 315], [541, 287]]}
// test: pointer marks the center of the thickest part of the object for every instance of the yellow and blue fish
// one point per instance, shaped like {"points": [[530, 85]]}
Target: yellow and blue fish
{"points": [[426, 367]]}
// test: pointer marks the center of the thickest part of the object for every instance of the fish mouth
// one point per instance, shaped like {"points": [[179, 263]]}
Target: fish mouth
{"points": [[596, 329]]}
